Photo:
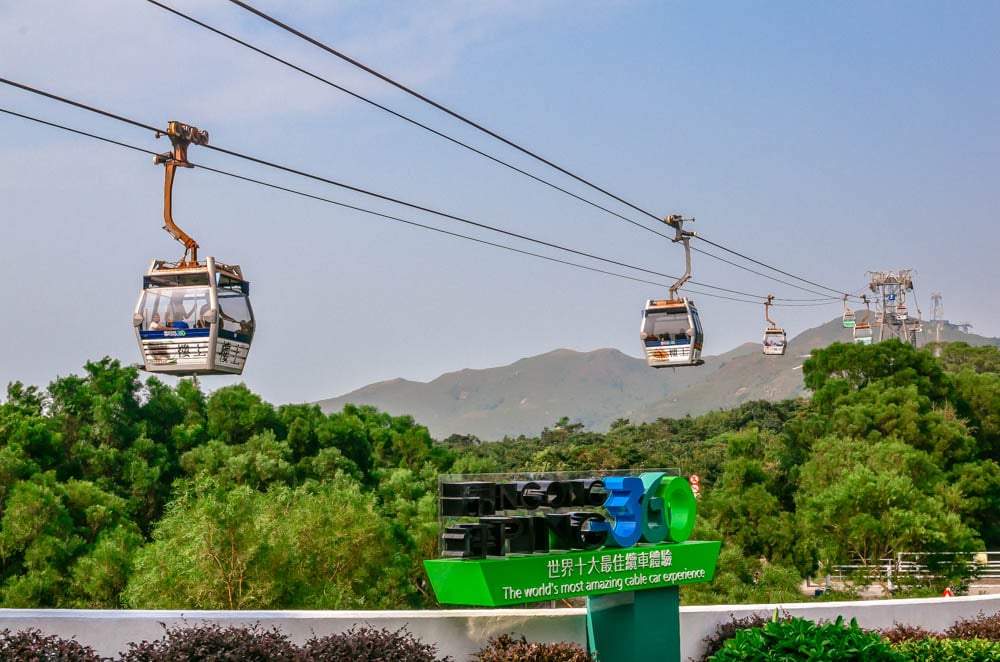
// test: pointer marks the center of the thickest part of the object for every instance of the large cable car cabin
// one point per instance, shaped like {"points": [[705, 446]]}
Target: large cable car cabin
{"points": [[195, 319], [671, 332], [194, 316], [775, 340]]}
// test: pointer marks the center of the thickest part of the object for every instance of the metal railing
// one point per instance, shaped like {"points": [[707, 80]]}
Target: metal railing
{"points": [[983, 567]]}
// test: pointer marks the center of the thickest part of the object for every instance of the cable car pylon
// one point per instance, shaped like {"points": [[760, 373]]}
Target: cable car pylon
{"points": [[193, 317], [671, 331]]}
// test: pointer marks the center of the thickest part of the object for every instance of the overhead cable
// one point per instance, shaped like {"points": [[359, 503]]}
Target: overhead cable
{"points": [[350, 206], [435, 104], [404, 117], [387, 79], [376, 195]]}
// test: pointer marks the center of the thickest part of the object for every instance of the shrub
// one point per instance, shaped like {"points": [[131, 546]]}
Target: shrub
{"points": [[949, 650], [506, 648], [370, 645], [799, 639], [903, 632], [982, 627], [31, 644], [212, 643], [726, 631]]}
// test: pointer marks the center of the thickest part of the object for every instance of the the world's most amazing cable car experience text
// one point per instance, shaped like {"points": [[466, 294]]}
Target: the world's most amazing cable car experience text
{"points": [[193, 317], [671, 331]]}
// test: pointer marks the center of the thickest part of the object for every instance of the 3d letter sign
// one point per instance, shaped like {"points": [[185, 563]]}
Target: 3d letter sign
{"points": [[518, 541]]}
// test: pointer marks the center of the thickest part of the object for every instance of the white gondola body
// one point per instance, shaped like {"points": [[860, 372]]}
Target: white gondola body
{"points": [[775, 341], [849, 319], [671, 333], [863, 334], [194, 320]]}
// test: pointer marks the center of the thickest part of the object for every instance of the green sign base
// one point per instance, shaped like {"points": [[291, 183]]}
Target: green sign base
{"points": [[512, 580], [635, 626]]}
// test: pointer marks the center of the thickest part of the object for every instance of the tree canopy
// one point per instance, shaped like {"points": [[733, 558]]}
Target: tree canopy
{"points": [[119, 492]]}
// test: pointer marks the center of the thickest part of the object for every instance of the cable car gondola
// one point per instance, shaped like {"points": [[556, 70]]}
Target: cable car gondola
{"points": [[849, 317], [671, 331], [193, 317], [862, 332], [774, 338]]}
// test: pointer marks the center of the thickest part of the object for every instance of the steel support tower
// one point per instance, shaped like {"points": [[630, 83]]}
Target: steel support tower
{"points": [[890, 289]]}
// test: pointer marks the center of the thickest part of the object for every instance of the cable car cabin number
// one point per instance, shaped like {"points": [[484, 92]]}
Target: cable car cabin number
{"points": [[195, 319]]}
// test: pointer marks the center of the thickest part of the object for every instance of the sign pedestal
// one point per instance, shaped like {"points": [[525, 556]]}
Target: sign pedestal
{"points": [[635, 626]]}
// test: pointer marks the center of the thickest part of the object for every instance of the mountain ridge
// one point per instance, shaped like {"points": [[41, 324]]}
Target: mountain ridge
{"points": [[597, 387]]}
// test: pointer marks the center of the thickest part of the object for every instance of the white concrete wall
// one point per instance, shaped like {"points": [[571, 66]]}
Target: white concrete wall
{"points": [[459, 633]]}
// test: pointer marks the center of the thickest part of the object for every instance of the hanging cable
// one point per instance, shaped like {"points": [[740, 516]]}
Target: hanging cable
{"points": [[403, 117], [435, 104], [315, 42], [362, 191], [740, 266], [453, 140], [750, 259], [366, 211]]}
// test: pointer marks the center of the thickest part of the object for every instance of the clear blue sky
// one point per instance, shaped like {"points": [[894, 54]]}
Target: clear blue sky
{"points": [[827, 139]]}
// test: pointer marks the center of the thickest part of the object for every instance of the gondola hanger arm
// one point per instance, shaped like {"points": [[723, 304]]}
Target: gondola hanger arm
{"points": [[677, 223], [767, 311], [181, 135]]}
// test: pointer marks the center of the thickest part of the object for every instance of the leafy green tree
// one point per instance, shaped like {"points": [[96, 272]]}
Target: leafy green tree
{"points": [[234, 414], [957, 357], [744, 507], [865, 502], [64, 545], [316, 546]]}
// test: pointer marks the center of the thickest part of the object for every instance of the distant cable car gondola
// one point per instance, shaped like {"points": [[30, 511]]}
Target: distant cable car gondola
{"points": [[774, 338], [901, 313], [671, 331], [849, 317], [193, 317], [862, 332]]}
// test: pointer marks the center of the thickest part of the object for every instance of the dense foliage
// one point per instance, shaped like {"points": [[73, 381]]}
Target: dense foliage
{"points": [[800, 639], [116, 492], [33, 645], [507, 648]]}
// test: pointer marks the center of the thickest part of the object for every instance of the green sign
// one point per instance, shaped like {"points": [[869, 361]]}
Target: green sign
{"points": [[496, 582]]}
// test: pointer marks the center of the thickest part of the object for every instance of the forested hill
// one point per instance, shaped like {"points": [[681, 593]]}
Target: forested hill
{"points": [[599, 387]]}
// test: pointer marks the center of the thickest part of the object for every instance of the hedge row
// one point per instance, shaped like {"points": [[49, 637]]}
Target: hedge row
{"points": [[784, 638], [212, 643]]}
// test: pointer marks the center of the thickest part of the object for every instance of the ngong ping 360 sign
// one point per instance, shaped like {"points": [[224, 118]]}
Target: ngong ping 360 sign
{"points": [[524, 539]]}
